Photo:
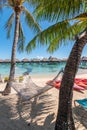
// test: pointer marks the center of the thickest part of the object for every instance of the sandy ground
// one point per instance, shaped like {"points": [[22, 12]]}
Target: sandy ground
{"points": [[40, 112]]}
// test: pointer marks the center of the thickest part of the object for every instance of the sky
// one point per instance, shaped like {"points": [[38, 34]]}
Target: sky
{"points": [[39, 52]]}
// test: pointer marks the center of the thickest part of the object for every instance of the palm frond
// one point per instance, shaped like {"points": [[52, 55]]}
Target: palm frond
{"points": [[8, 25], [31, 45], [21, 39], [54, 45], [70, 33], [46, 36], [57, 9], [58, 29], [2, 6], [11, 2], [81, 17], [22, 1], [31, 21], [56, 35]]}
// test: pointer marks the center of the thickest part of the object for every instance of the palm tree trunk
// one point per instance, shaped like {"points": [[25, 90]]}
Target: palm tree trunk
{"points": [[64, 119], [13, 56]]}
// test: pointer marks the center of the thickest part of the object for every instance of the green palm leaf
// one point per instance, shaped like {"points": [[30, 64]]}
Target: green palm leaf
{"points": [[31, 21], [31, 45], [8, 25], [56, 9], [21, 39], [56, 35], [48, 35]]}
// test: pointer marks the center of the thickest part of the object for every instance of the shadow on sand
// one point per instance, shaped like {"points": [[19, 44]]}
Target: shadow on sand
{"points": [[80, 116], [36, 114]]}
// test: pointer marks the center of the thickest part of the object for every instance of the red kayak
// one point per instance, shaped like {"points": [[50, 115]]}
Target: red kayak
{"points": [[81, 82], [57, 83]]}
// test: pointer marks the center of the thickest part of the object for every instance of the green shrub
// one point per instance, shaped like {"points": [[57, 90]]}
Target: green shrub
{"points": [[6, 79], [21, 78]]}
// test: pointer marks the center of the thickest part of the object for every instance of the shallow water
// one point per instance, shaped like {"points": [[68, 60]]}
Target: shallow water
{"points": [[34, 68]]}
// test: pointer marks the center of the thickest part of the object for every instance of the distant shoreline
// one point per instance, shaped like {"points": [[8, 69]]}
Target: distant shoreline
{"points": [[34, 60], [43, 60], [39, 61]]}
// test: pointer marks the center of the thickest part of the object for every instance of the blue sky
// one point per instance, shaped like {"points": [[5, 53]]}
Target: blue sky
{"points": [[40, 51]]}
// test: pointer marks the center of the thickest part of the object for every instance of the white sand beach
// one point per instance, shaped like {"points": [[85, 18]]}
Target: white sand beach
{"points": [[40, 112]]}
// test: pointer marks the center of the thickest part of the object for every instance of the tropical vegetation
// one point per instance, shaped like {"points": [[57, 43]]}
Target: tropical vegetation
{"points": [[18, 9], [70, 22]]}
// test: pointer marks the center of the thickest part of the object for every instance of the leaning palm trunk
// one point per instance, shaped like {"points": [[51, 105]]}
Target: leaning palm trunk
{"points": [[64, 119], [13, 56]]}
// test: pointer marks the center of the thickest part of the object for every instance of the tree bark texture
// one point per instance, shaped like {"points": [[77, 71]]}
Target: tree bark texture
{"points": [[13, 56], [64, 120]]}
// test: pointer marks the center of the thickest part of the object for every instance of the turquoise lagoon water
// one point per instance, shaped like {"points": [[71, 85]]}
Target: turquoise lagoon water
{"points": [[40, 68], [35, 68]]}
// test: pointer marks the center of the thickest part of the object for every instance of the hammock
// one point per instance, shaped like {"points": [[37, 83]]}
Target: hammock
{"points": [[28, 89]]}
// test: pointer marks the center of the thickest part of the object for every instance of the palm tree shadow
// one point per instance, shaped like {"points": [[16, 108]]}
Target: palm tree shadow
{"points": [[80, 116], [47, 125], [38, 112], [9, 118]]}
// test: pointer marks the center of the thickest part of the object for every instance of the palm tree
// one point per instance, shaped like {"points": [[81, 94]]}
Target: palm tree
{"points": [[53, 37], [64, 115], [18, 8]]}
